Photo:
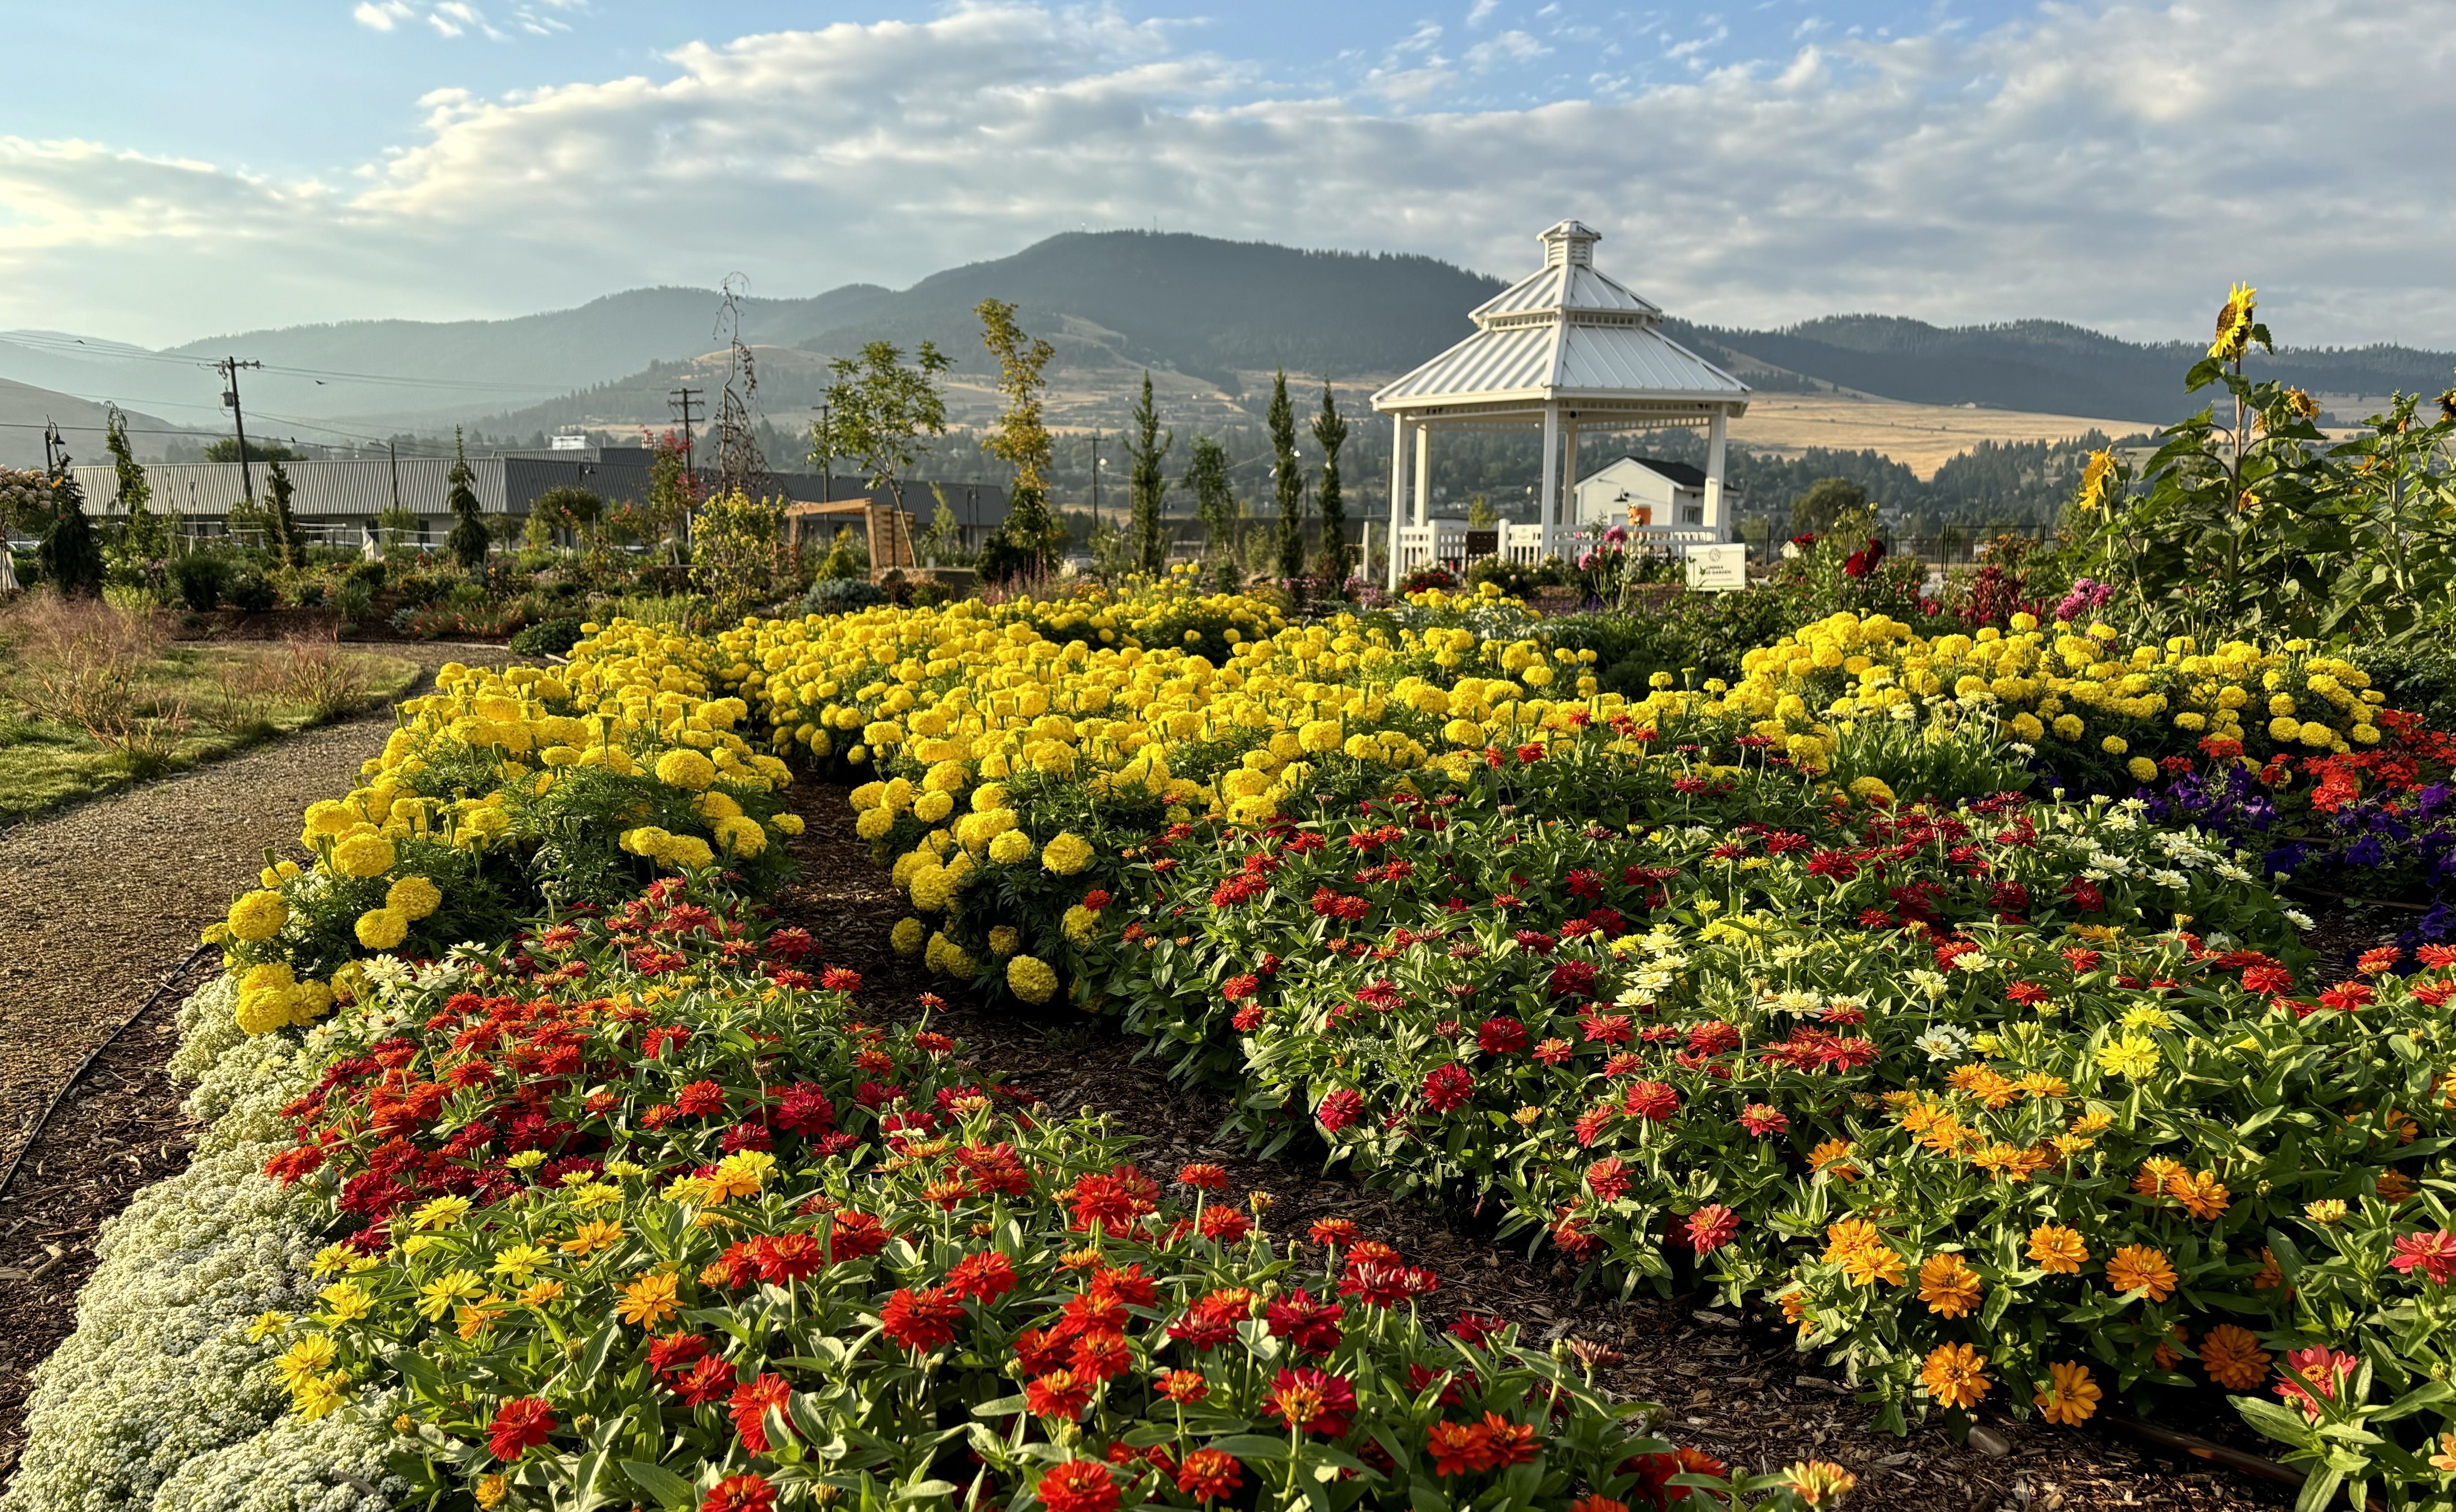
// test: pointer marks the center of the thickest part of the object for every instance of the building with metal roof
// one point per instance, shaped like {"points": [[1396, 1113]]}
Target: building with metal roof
{"points": [[1570, 351]]}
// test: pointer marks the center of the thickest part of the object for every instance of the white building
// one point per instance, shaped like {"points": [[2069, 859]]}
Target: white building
{"points": [[1642, 493]]}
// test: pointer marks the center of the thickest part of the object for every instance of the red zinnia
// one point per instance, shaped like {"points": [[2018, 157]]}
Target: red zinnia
{"points": [[1650, 1100], [855, 1235], [740, 1493], [1061, 1394], [699, 1099], [1224, 1225], [1447, 1088], [1500, 1036], [1209, 1473], [1309, 1325], [1761, 1120], [1341, 1108], [1078, 1485], [1101, 1356], [922, 1321], [520, 1425], [984, 1278], [749, 1406], [1312, 1402], [1609, 1177], [789, 1258], [1202, 1177]]}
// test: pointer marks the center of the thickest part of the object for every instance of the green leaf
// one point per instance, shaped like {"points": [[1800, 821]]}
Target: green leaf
{"points": [[668, 1488], [1250, 1446]]}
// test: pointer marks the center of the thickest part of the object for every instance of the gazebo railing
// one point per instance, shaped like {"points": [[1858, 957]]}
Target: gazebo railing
{"points": [[1453, 545]]}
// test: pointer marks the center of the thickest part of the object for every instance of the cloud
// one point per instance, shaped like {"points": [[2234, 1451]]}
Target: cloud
{"points": [[1509, 47], [458, 18], [1481, 12], [2113, 166]]}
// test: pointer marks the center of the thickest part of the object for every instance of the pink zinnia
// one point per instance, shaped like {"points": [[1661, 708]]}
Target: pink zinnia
{"points": [[1709, 1228], [1761, 1120], [2433, 1254], [2324, 1368]]}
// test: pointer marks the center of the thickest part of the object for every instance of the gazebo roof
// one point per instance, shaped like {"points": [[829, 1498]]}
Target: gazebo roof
{"points": [[1566, 333]]}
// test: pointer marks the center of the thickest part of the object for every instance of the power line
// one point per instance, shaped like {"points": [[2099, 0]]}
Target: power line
{"points": [[75, 348], [230, 366], [682, 399]]}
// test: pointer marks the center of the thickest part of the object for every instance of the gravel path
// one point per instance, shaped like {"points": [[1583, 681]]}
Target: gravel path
{"points": [[98, 902]]}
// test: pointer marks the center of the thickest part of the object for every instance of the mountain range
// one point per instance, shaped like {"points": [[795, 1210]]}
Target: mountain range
{"points": [[1209, 318]]}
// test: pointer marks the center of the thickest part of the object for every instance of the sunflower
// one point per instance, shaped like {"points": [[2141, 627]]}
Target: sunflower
{"points": [[2234, 322], [2094, 479]]}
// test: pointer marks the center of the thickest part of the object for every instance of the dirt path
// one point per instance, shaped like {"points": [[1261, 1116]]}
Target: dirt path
{"points": [[97, 904], [1731, 1387]]}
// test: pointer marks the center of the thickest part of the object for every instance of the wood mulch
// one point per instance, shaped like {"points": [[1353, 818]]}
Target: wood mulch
{"points": [[1730, 1386], [97, 904]]}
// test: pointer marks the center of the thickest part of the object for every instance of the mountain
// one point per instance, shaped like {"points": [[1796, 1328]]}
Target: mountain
{"points": [[1210, 317], [25, 410], [2044, 366]]}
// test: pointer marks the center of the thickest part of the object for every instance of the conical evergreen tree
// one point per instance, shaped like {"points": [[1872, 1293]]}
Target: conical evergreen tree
{"points": [[468, 542], [281, 527], [71, 552], [1330, 433], [144, 538], [1287, 480], [1146, 485]]}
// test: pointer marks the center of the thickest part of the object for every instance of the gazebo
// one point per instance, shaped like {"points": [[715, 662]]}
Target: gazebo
{"points": [[1572, 352]]}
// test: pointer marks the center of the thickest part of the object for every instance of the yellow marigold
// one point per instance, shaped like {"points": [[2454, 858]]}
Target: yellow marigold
{"points": [[741, 836], [382, 929], [1031, 979], [2058, 1250], [1010, 848], [1080, 924], [1956, 1376], [1005, 940], [1947, 1285], [1066, 854], [2232, 1356], [259, 916], [412, 897], [685, 769], [362, 855], [908, 935], [2142, 1268], [2069, 1396], [650, 1299]]}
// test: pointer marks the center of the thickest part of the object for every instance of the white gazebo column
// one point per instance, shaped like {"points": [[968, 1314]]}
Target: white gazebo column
{"points": [[1398, 490], [1423, 445], [1547, 505], [1568, 478], [1714, 438]]}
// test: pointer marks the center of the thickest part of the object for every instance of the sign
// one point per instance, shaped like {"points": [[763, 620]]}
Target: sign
{"points": [[1717, 568]]}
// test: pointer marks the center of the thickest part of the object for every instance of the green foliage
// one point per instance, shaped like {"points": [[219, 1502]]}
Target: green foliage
{"points": [[1032, 537], [1287, 480], [554, 637], [283, 536], [469, 542], [1215, 504], [841, 596], [2249, 522], [1481, 514], [1147, 485], [250, 591], [878, 409], [226, 450], [71, 553], [1825, 506], [1330, 434], [737, 550], [565, 507], [199, 577], [144, 537]]}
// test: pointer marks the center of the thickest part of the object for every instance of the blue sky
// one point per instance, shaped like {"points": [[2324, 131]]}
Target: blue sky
{"points": [[173, 171]]}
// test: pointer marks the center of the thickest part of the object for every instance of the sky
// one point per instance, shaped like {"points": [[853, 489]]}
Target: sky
{"points": [[169, 170]]}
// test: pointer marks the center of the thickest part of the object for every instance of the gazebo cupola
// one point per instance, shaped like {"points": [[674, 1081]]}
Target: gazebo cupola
{"points": [[1570, 351]]}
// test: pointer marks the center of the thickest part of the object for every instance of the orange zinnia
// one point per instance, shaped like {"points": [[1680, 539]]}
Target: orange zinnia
{"points": [[2071, 1397], [2142, 1268], [1946, 1285], [2232, 1356], [1956, 1376], [2058, 1249]]}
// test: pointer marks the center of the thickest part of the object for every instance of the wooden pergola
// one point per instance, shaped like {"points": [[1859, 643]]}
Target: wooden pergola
{"points": [[889, 528], [1569, 350]]}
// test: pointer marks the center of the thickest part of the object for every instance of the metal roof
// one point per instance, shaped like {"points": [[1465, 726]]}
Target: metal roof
{"points": [[1564, 332]]}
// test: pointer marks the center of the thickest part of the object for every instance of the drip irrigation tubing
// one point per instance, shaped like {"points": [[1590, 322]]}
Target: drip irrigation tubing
{"points": [[34, 1135]]}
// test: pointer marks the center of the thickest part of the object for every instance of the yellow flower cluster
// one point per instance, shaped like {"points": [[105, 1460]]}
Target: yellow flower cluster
{"points": [[950, 706], [2084, 689]]}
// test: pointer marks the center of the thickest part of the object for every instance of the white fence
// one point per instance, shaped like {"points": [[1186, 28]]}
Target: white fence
{"points": [[1452, 544]]}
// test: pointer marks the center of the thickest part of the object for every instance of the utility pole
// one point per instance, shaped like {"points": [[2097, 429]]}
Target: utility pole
{"points": [[682, 399], [229, 367], [826, 456]]}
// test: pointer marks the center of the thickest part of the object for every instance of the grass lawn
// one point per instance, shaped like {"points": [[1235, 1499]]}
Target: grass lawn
{"points": [[167, 708]]}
